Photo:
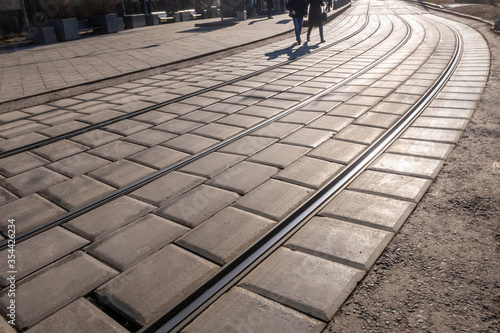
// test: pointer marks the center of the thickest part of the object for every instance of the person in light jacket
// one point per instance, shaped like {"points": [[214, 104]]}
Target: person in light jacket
{"points": [[298, 10], [315, 19]]}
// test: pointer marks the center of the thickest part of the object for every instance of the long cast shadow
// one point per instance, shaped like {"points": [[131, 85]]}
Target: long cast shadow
{"points": [[291, 51]]}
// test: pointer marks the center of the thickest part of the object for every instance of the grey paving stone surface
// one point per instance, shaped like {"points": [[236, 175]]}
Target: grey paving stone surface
{"points": [[28, 212], [309, 172], [172, 270], [279, 155], [158, 157], [18, 163], [76, 192], [314, 286], [197, 205], [343, 242], [121, 173], [59, 150], [78, 317], [217, 131], [136, 241], [6, 196], [308, 137], [78, 164], [17, 142], [190, 143], [32, 181], [368, 209], [337, 151], [211, 165], [274, 199], [225, 235], [430, 134], [54, 287], [95, 138], [408, 165], [248, 145], [116, 150], [421, 148], [6, 327], [243, 311], [116, 213], [40, 251]]}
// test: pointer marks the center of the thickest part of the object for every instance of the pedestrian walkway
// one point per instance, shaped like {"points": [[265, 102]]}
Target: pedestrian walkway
{"points": [[34, 70]]}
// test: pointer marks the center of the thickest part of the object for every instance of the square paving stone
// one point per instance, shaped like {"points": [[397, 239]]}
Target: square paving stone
{"points": [[309, 172], [279, 155], [59, 150], [15, 164], [76, 192], [217, 131], [117, 150], [96, 138], [173, 271], [343, 242], [129, 245], [121, 173], [116, 214], [330, 123], [448, 112], [178, 126], [360, 134], [408, 165], [178, 108], [32, 181], [240, 120], [41, 250], [421, 148], [260, 111], [127, 127], [190, 143], [243, 177], [26, 128], [225, 108], [346, 110], [243, 311], [277, 130], [274, 199], [28, 212], [55, 286], [392, 185], [248, 145], [149, 137], [159, 157], [154, 117], [101, 116], [370, 210], [392, 108], [430, 134], [310, 284], [78, 317], [307, 137], [338, 151], [212, 164], [225, 235], [167, 188], [376, 119], [301, 117], [197, 205], [62, 128], [78, 164]]}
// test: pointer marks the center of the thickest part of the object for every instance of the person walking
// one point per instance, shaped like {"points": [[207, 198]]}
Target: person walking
{"points": [[298, 10], [315, 18], [270, 6]]}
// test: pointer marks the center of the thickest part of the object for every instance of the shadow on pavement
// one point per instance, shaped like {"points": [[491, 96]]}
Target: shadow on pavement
{"points": [[291, 52]]}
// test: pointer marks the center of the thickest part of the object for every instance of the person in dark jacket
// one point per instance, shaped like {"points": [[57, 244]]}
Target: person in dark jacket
{"points": [[298, 10], [270, 6], [315, 19]]}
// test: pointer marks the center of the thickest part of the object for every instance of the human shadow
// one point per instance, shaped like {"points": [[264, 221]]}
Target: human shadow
{"points": [[292, 51]]}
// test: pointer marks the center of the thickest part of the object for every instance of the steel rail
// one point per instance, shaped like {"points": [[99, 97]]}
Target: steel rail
{"points": [[185, 311], [22, 236], [102, 124]]}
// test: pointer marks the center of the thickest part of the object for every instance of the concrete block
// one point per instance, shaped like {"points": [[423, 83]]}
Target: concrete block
{"points": [[421, 148], [343, 242], [6, 196], [127, 127], [158, 157], [197, 205], [248, 145], [6, 327], [32, 181], [45, 36], [78, 164], [225, 235], [430, 134], [243, 311], [20, 141], [376, 119], [309, 172], [41, 251], [441, 123], [155, 117], [28, 212], [370, 210], [279, 155], [177, 126], [337, 151], [274, 199], [116, 213], [78, 317], [59, 150], [240, 120], [217, 131], [360, 134], [330, 123], [64, 128], [13, 165], [121, 173], [168, 267], [277, 130], [167, 188], [116, 150], [136, 241], [190, 143], [212, 164], [55, 286], [310, 284], [307, 137], [95, 138], [76, 192], [408, 165], [134, 21]]}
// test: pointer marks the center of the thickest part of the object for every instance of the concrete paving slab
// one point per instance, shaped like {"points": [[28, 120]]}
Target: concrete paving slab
{"points": [[158, 157], [217, 131], [76, 192], [78, 164], [441, 123], [40, 251], [448, 112], [360, 134], [173, 271], [240, 120], [21, 141], [337, 151], [116, 213], [279, 155], [315, 286], [149, 137], [370, 210], [127, 127], [243, 311], [212, 164], [277, 130], [392, 108], [6, 327], [95, 138], [376, 119], [13, 165], [29, 126], [116, 150], [59, 150], [274, 199], [248, 145], [28, 212], [101, 116], [343, 242], [32, 181], [54, 287], [62, 128], [197, 205], [318, 172], [121, 173], [330, 123], [6, 196], [421, 148], [154, 117], [167, 188], [391, 185], [138, 240], [225, 235], [308, 137], [78, 317], [408, 165], [190, 143], [202, 116], [177, 126]]}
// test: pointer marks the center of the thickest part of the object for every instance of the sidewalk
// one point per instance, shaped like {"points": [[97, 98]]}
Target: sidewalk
{"points": [[34, 70]]}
